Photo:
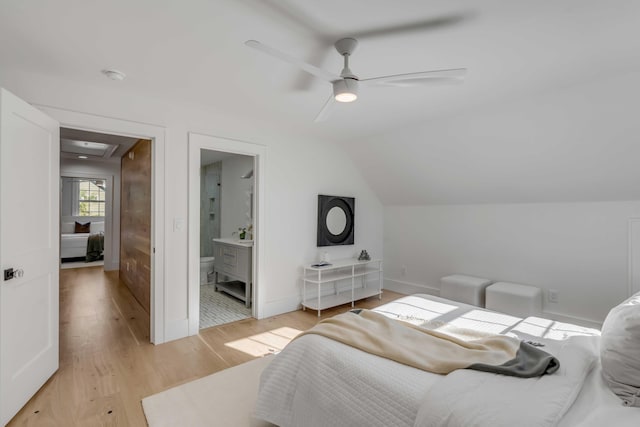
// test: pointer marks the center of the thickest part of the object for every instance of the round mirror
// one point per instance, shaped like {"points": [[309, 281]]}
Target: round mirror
{"points": [[336, 220]]}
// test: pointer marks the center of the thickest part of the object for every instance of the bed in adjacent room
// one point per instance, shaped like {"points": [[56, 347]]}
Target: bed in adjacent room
{"points": [[81, 240], [318, 381]]}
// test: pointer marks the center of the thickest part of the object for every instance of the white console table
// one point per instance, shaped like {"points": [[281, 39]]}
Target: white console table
{"points": [[341, 271], [233, 259]]}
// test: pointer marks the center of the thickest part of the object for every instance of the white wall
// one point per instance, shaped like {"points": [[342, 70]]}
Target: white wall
{"points": [[451, 188], [568, 144], [579, 249], [234, 201], [297, 170], [72, 167], [209, 207]]}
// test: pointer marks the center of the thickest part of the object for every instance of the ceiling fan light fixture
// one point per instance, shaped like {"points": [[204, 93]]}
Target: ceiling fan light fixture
{"points": [[346, 97], [345, 90]]}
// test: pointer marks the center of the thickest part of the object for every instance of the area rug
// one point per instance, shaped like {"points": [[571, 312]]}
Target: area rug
{"points": [[226, 398], [217, 308]]}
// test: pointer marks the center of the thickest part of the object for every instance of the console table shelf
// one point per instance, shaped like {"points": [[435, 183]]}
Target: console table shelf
{"points": [[341, 271]]}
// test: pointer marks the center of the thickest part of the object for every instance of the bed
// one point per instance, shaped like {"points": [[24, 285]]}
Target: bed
{"points": [[74, 245], [316, 381]]}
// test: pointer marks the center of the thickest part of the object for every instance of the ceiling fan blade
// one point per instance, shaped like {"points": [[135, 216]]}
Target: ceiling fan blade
{"points": [[435, 23], [432, 81], [410, 79], [311, 69], [326, 110]]}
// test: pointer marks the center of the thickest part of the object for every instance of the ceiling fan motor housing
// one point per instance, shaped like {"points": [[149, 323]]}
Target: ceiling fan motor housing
{"points": [[346, 46]]}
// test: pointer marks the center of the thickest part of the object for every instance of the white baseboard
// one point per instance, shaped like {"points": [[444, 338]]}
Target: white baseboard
{"points": [[283, 305], [408, 288]]}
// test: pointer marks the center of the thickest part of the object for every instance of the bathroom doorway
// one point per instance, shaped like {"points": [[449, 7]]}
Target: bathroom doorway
{"points": [[226, 237]]}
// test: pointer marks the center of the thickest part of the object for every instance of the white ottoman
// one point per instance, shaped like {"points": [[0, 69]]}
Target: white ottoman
{"points": [[514, 299], [467, 289]]}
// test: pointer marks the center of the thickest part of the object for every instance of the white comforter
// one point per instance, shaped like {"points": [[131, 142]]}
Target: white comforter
{"points": [[471, 398], [315, 381], [318, 382]]}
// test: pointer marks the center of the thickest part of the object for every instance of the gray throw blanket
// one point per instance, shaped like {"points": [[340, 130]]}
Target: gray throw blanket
{"points": [[435, 351], [95, 246]]}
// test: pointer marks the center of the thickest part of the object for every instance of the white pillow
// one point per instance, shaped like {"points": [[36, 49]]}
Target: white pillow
{"points": [[620, 350], [97, 227]]}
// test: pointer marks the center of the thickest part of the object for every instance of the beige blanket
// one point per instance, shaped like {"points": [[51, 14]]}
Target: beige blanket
{"points": [[431, 350]]}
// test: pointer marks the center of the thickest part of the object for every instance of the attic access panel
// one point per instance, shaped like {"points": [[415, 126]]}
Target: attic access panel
{"points": [[336, 216]]}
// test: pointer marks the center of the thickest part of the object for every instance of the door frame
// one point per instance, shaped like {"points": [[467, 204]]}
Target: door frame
{"points": [[94, 123], [633, 280], [199, 142]]}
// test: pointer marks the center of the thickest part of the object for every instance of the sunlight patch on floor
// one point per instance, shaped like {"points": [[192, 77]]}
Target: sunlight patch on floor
{"points": [[269, 342]]}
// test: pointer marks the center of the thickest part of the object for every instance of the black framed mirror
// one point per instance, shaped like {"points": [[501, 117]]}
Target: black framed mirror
{"points": [[336, 216]]}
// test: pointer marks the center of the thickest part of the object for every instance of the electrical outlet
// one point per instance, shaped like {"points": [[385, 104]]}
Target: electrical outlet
{"points": [[553, 295], [403, 270]]}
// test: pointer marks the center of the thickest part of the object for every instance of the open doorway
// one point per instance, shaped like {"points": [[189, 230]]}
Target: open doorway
{"points": [[106, 213], [238, 251], [226, 237]]}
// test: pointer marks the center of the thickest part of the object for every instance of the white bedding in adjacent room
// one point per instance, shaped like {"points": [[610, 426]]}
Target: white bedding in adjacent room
{"points": [[75, 239], [315, 381], [74, 245]]}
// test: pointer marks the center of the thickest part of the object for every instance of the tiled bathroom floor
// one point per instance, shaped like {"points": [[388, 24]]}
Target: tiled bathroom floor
{"points": [[217, 308]]}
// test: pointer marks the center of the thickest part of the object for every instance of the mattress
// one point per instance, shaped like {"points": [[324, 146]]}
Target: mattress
{"points": [[73, 245], [320, 382]]}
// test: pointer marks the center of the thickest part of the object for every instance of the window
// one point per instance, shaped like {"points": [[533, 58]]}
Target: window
{"points": [[91, 196]]}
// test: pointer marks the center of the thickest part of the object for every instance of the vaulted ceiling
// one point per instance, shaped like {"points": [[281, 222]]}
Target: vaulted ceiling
{"points": [[408, 142]]}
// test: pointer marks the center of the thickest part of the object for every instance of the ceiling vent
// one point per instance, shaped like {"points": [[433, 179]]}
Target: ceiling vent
{"points": [[87, 148]]}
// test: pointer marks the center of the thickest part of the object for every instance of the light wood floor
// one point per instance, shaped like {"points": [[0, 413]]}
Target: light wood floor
{"points": [[107, 364]]}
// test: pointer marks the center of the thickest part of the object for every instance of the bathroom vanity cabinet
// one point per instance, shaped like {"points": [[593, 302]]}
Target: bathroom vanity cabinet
{"points": [[233, 260]]}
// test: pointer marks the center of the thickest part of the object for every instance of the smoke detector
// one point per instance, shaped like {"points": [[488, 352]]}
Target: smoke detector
{"points": [[114, 74]]}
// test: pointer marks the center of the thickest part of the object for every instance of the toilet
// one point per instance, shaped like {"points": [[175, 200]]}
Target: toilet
{"points": [[206, 267]]}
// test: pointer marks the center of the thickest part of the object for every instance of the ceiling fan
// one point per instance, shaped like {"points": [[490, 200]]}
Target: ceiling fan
{"points": [[345, 85]]}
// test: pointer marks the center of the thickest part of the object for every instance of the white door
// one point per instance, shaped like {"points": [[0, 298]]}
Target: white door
{"points": [[29, 200]]}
